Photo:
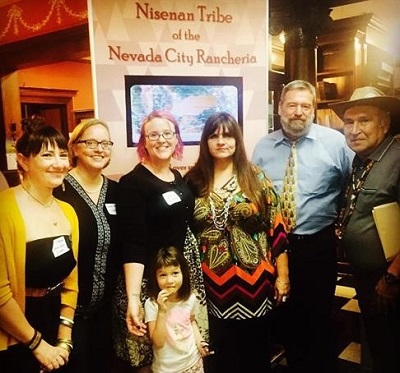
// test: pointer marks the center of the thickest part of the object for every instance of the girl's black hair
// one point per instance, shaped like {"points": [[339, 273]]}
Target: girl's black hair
{"points": [[165, 257]]}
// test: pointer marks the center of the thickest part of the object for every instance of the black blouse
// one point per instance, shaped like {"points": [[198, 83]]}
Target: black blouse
{"points": [[49, 261], [152, 214], [98, 256]]}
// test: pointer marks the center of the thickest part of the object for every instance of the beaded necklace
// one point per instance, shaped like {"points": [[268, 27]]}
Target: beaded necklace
{"points": [[352, 191], [220, 215]]}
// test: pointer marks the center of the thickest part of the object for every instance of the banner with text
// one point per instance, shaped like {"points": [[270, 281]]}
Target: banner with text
{"points": [[189, 57]]}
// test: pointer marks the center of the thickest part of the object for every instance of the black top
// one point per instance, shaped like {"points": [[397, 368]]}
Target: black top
{"points": [[98, 256], [49, 260], [151, 214]]}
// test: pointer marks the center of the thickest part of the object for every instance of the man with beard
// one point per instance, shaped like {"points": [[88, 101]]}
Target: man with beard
{"points": [[321, 162]]}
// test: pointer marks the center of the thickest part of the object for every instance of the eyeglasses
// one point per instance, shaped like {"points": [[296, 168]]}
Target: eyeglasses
{"points": [[94, 144], [154, 136]]}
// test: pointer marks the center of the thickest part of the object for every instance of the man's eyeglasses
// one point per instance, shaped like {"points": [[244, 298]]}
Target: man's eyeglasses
{"points": [[154, 136], [94, 144]]}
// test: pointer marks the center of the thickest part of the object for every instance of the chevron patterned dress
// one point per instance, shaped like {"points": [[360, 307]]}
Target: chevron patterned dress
{"points": [[238, 259]]}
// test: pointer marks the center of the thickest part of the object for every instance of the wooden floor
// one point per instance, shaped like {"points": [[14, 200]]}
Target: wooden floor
{"points": [[349, 333]]}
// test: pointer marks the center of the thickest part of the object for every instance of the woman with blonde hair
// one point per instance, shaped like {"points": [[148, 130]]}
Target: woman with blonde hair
{"points": [[93, 197]]}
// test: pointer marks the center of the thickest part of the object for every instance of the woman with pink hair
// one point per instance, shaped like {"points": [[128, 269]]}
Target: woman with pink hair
{"points": [[154, 209]]}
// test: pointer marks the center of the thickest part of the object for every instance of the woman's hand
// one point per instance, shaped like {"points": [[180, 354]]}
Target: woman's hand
{"points": [[134, 317], [282, 283], [50, 357], [134, 313], [204, 348], [282, 289]]}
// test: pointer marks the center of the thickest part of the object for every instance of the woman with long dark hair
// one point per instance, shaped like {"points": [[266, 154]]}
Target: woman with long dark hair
{"points": [[243, 246]]}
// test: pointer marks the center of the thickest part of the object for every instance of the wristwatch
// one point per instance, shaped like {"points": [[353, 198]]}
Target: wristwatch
{"points": [[390, 278]]}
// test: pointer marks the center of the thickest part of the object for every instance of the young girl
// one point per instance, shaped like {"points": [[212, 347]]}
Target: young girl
{"points": [[170, 316]]}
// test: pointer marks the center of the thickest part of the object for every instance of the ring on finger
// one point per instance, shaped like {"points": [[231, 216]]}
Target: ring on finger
{"points": [[284, 298]]}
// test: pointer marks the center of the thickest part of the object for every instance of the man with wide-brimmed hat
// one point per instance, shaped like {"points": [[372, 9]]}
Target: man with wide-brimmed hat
{"points": [[371, 119]]}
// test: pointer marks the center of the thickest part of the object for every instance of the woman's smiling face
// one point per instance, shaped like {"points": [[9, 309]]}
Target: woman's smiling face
{"points": [[162, 148]]}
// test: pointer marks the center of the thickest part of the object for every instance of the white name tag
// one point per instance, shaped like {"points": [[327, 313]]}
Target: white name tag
{"points": [[171, 197], [59, 247], [111, 208]]}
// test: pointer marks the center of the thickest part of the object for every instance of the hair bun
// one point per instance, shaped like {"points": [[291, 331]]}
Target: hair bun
{"points": [[33, 123]]}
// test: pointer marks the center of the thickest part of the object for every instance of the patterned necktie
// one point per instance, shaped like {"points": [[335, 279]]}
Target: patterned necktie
{"points": [[289, 190]]}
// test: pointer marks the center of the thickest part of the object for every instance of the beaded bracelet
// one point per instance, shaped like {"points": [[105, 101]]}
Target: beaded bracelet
{"points": [[67, 322], [34, 343]]}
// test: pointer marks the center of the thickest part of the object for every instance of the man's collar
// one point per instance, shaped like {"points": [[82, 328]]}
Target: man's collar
{"points": [[377, 154]]}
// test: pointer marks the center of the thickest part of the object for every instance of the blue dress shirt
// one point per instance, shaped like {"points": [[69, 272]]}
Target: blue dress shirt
{"points": [[323, 164]]}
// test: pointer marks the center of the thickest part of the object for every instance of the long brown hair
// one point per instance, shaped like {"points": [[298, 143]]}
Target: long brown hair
{"points": [[201, 176]]}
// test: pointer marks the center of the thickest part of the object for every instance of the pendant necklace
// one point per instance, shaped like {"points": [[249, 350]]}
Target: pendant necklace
{"points": [[48, 205]]}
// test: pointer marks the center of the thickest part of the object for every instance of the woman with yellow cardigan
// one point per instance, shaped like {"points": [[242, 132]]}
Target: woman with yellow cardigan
{"points": [[38, 251]]}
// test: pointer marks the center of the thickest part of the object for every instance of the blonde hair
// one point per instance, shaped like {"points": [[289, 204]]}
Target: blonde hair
{"points": [[77, 133]]}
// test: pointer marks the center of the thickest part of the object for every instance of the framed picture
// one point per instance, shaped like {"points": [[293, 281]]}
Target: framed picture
{"points": [[190, 99]]}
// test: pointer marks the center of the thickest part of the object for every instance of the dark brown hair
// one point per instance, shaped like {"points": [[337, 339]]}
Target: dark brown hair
{"points": [[165, 257], [201, 176], [38, 135]]}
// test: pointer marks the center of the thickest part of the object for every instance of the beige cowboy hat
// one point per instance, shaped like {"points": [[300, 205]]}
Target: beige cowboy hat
{"points": [[371, 96]]}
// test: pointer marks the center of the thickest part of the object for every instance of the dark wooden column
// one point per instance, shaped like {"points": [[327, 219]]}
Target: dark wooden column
{"points": [[301, 21], [300, 54]]}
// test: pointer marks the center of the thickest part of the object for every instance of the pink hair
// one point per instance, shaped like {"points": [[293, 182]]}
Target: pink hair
{"points": [[141, 148]]}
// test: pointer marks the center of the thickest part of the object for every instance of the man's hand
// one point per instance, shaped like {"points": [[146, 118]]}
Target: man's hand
{"points": [[386, 295]]}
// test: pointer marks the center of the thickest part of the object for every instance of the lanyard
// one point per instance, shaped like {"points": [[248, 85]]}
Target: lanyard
{"points": [[352, 191]]}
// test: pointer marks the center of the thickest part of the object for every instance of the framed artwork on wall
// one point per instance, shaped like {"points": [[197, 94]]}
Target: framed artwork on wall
{"points": [[190, 99]]}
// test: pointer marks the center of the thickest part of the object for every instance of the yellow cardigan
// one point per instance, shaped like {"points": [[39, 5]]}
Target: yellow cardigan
{"points": [[12, 257]]}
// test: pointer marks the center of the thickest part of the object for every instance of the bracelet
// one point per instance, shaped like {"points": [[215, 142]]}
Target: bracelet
{"points": [[67, 322], [34, 343], [65, 344]]}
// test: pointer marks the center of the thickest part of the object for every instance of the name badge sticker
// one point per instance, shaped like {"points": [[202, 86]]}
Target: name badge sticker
{"points": [[59, 247], [171, 197], [112, 210]]}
